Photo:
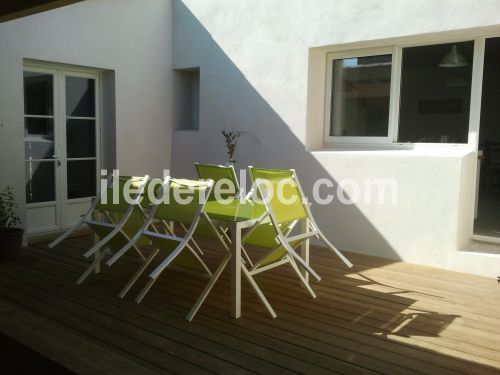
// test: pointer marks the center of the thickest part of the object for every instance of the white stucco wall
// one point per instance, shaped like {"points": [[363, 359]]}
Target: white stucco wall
{"points": [[255, 59], [132, 38]]}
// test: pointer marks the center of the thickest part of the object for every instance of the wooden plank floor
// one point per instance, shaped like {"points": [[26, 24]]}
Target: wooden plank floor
{"points": [[380, 317]]}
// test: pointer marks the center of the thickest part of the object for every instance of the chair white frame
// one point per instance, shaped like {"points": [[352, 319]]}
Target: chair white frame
{"points": [[287, 259], [183, 242], [312, 226], [217, 274], [281, 239], [284, 239], [99, 250]]}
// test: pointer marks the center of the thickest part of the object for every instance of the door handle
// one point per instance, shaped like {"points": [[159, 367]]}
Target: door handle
{"points": [[56, 158]]}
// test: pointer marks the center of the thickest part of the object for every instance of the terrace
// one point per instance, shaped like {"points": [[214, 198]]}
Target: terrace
{"points": [[394, 99], [379, 317]]}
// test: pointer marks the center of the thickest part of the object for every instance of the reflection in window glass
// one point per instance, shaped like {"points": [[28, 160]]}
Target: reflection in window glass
{"points": [[81, 178], [38, 94], [435, 93], [40, 181], [39, 138], [360, 96], [80, 138], [80, 97]]}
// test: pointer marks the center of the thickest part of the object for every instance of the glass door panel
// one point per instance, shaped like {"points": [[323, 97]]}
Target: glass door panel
{"points": [[80, 97], [38, 93], [40, 182], [81, 178], [81, 171], [80, 139], [39, 139]]}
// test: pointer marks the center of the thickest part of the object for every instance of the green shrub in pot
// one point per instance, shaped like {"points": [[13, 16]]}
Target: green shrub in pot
{"points": [[11, 236]]}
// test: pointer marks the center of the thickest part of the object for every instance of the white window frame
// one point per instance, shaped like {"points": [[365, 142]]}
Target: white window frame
{"points": [[479, 38], [329, 81], [391, 141]]}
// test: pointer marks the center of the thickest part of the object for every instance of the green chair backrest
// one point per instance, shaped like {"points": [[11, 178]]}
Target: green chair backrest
{"points": [[173, 207], [285, 200], [218, 173], [116, 210], [121, 205], [182, 201], [269, 174]]}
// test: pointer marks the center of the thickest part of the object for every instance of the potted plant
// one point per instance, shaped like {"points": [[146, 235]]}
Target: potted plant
{"points": [[231, 137], [11, 237]]}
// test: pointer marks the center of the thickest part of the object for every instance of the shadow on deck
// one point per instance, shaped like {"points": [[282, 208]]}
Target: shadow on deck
{"points": [[380, 317]]}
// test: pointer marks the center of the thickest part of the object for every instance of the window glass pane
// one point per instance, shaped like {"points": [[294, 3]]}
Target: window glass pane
{"points": [[39, 138], [435, 93], [80, 97], [38, 94], [81, 178], [489, 131], [40, 181], [360, 96], [80, 138]]}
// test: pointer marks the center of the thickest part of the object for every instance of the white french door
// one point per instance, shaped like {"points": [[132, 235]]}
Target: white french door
{"points": [[62, 134]]}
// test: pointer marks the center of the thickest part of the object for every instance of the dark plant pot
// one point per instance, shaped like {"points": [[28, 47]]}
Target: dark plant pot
{"points": [[11, 243]]}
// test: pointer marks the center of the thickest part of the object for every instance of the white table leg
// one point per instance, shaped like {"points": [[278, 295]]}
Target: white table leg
{"points": [[235, 270], [304, 248]]}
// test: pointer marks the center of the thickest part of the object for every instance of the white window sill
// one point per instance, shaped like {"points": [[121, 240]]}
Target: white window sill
{"points": [[435, 149]]}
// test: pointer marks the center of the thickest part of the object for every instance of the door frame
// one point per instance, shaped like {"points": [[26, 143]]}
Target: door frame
{"points": [[475, 125], [62, 203]]}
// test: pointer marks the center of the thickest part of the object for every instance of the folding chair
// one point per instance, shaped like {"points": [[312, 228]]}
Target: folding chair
{"points": [[114, 218], [281, 213], [176, 248], [274, 231]]}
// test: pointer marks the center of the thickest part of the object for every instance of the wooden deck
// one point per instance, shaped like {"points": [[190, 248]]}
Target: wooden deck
{"points": [[380, 317]]}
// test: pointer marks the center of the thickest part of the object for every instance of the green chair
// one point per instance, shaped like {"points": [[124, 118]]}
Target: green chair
{"points": [[114, 217], [274, 231], [176, 248], [283, 212]]}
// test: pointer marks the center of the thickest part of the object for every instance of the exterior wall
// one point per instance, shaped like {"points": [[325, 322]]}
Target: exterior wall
{"points": [[261, 63], [132, 41]]}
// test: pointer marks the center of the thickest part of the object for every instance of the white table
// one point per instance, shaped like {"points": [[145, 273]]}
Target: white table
{"points": [[237, 216]]}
